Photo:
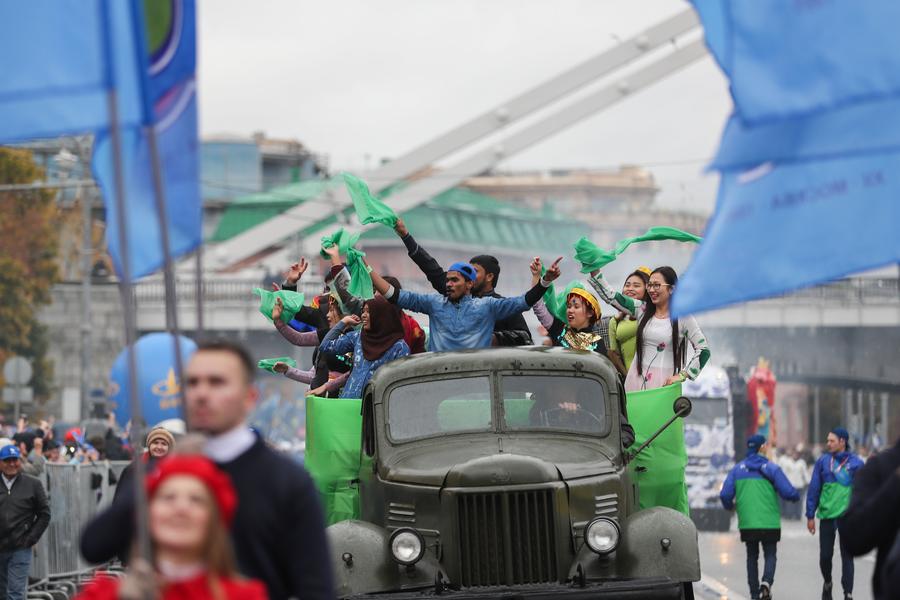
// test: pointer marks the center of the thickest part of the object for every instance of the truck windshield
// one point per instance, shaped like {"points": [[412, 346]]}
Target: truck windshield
{"points": [[443, 406], [539, 402], [709, 411]]}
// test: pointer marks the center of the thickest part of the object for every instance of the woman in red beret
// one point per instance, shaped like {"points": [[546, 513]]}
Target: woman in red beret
{"points": [[191, 505]]}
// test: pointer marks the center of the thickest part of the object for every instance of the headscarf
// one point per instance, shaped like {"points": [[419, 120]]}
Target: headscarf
{"points": [[385, 328]]}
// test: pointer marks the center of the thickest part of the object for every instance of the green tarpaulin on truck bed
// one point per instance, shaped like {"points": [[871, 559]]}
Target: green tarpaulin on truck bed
{"points": [[659, 469], [333, 436]]}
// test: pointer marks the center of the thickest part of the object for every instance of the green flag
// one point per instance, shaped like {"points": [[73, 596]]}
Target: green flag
{"points": [[269, 363], [360, 279], [369, 209], [659, 469], [593, 257], [291, 301], [332, 457]]}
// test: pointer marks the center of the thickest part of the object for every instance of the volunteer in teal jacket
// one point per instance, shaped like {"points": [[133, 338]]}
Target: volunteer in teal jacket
{"points": [[829, 492], [754, 485]]}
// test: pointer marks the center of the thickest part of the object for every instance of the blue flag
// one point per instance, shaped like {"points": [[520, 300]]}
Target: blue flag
{"points": [[857, 129], [68, 55], [780, 228], [55, 76], [170, 105], [789, 58]]}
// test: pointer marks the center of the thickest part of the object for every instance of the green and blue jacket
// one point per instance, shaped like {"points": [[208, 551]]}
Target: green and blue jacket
{"points": [[754, 485], [831, 484]]}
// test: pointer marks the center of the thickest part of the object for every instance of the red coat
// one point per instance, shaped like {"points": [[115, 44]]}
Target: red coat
{"points": [[107, 588]]}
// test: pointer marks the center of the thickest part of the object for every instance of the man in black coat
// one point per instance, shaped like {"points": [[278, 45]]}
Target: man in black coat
{"points": [[873, 519], [512, 331], [279, 529], [24, 515]]}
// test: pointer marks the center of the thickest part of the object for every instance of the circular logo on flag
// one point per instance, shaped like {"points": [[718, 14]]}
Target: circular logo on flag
{"points": [[164, 20]]}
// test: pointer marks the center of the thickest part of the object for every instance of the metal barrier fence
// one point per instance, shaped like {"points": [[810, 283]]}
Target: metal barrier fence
{"points": [[76, 493]]}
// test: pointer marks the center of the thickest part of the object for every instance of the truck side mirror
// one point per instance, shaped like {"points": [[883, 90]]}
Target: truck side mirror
{"points": [[682, 406]]}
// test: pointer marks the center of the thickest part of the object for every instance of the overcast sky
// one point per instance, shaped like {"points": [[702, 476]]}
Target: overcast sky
{"points": [[362, 79]]}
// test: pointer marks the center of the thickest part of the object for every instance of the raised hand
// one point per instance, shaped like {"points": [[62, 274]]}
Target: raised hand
{"points": [[277, 309], [400, 228], [553, 272], [535, 267], [296, 271]]}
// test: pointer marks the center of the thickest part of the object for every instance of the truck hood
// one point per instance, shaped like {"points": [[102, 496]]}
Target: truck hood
{"points": [[472, 463]]}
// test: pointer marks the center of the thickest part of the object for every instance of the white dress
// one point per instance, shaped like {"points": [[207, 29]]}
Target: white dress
{"points": [[659, 359]]}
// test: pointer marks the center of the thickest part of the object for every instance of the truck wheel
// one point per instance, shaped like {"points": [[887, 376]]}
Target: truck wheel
{"points": [[687, 590]]}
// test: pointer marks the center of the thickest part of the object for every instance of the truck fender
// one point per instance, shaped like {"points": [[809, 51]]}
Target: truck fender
{"points": [[658, 542], [362, 562]]}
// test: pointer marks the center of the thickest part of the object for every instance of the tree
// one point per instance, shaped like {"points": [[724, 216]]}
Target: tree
{"points": [[28, 263]]}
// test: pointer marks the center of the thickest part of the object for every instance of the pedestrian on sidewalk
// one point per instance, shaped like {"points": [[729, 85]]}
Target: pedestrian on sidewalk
{"points": [[24, 515], [873, 519], [753, 485], [829, 498]]}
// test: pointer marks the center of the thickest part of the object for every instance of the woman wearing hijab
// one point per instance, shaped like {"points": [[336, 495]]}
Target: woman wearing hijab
{"points": [[329, 372], [379, 341], [191, 506]]}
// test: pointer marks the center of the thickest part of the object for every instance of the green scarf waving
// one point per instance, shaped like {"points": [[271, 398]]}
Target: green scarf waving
{"points": [[593, 258], [360, 279], [292, 302], [369, 209]]}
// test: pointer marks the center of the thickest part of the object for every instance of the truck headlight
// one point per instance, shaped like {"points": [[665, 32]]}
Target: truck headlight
{"points": [[602, 535], [407, 546]]}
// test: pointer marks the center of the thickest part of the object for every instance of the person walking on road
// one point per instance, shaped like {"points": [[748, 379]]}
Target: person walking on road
{"points": [[828, 498], [753, 485], [24, 515], [873, 519]]}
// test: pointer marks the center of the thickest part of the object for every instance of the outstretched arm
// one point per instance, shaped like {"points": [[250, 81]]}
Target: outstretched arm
{"points": [[629, 306], [432, 269]]}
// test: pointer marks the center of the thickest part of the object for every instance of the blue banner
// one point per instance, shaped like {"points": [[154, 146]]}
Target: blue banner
{"points": [[780, 228], [789, 58], [159, 390], [55, 72]]}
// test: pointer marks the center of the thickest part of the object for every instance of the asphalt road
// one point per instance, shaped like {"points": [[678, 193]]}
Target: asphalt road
{"points": [[723, 563]]}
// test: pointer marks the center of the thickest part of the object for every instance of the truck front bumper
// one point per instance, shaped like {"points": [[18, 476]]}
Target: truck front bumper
{"points": [[641, 589]]}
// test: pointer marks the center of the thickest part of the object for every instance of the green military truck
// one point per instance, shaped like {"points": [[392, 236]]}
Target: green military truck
{"points": [[501, 473]]}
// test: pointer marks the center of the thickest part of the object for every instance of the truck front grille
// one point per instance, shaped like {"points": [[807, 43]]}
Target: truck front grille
{"points": [[507, 538]]}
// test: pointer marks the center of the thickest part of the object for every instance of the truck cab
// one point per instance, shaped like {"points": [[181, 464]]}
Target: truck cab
{"points": [[486, 472]]}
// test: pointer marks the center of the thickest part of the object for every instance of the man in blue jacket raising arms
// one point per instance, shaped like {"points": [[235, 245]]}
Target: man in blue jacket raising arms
{"points": [[754, 485], [829, 492], [458, 320]]}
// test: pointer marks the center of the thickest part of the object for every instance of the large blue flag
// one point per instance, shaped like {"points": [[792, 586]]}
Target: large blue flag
{"points": [[65, 57], [857, 129], [788, 58], [170, 107], [780, 228]]}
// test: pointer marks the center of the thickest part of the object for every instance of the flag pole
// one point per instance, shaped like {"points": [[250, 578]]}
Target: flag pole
{"points": [[198, 257], [159, 196], [126, 289]]}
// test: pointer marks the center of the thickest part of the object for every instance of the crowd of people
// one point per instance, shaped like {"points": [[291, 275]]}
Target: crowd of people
{"points": [[229, 517], [855, 502]]}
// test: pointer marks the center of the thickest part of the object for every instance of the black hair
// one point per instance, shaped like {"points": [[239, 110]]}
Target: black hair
{"points": [[671, 277], [489, 263], [233, 348], [643, 277]]}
